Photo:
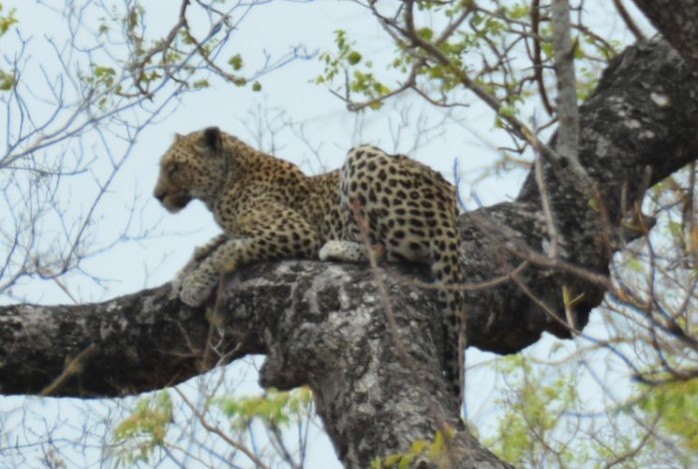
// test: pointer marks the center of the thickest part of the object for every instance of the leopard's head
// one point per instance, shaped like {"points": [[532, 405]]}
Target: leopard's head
{"points": [[194, 167]]}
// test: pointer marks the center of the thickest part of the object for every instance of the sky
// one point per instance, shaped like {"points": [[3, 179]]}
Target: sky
{"points": [[321, 132]]}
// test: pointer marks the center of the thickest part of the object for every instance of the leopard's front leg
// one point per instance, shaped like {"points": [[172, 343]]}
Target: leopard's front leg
{"points": [[200, 253], [274, 233], [199, 284]]}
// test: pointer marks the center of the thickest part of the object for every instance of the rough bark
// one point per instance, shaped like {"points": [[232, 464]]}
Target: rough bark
{"points": [[678, 22], [325, 324]]}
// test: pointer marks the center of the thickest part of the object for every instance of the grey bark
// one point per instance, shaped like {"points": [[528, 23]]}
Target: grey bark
{"points": [[324, 324], [678, 22], [567, 110]]}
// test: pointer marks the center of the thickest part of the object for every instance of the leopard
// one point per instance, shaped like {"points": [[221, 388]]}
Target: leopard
{"points": [[268, 209]]}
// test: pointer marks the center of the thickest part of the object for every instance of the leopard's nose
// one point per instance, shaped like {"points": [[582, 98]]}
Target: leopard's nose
{"points": [[159, 195]]}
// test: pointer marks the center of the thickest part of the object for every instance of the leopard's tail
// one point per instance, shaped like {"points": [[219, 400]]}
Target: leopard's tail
{"points": [[447, 272]]}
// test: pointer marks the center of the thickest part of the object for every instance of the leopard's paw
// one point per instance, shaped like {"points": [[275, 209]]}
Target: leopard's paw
{"points": [[196, 290], [178, 281]]}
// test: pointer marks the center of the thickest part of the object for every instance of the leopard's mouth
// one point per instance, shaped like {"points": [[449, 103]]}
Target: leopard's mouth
{"points": [[176, 202]]}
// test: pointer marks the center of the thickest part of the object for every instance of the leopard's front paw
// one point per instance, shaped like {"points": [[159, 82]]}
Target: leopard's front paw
{"points": [[196, 290], [177, 282]]}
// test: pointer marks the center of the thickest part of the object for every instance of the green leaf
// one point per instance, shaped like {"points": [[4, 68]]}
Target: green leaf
{"points": [[7, 81], [676, 404], [406, 461], [392, 460], [145, 429], [477, 19], [518, 12], [425, 33], [236, 62], [354, 58], [272, 408], [7, 21]]}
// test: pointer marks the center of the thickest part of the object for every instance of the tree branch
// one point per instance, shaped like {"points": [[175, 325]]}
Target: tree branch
{"points": [[567, 111], [321, 324], [677, 20]]}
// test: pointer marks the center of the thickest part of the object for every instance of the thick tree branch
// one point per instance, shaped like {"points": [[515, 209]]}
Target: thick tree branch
{"points": [[318, 323], [322, 324], [133, 343], [677, 20]]}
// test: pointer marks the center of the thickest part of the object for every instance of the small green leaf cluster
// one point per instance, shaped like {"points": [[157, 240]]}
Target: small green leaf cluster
{"points": [[421, 450], [105, 83], [349, 62], [8, 20], [236, 62], [145, 429], [334, 63], [134, 25], [273, 408], [7, 79], [103, 75], [237, 65]]}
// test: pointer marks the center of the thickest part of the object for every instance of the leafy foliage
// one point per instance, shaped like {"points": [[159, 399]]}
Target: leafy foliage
{"points": [[145, 430], [273, 408], [444, 49], [544, 421], [531, 424], [7, 20], [675, 405], [7, 79], [435, 451], [141, 436], [348, 62]]}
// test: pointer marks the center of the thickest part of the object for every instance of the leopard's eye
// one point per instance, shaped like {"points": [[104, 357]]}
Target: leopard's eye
{"points": [[172, 168]]}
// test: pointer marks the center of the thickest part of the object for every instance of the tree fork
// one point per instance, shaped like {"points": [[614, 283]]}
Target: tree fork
{"points": [[322, 324]]}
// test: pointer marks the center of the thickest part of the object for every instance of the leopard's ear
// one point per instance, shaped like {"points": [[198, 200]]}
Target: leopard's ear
{"points": [[178, 137], [213, 138]]}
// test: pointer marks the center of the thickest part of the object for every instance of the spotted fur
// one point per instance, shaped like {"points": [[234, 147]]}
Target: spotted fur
{"points": [[268, 209]]}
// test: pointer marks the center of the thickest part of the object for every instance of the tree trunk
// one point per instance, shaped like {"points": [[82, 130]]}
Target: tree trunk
{"points": [[379, 387]]}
